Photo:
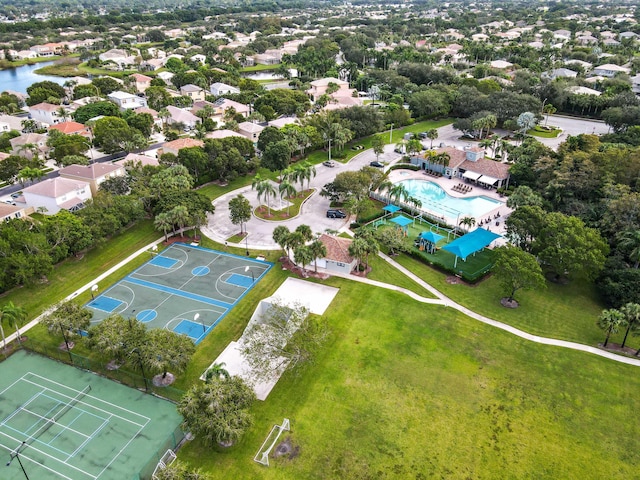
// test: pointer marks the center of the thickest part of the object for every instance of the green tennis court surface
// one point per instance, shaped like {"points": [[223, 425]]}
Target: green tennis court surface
{"points": [[184, 288], [66, 423]]}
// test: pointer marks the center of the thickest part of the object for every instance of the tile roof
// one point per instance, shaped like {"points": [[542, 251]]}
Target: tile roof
{"points": [[337, 248], [141, 78], [93, 171], [69, 127], [488, 167], [183, 143], [55, 187], [47, 107]]}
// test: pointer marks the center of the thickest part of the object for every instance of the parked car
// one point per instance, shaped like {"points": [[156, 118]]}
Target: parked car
{"points": [[336, 214], [329, 163], [376, 164], [16, 195], [422, 135], [357, 147]]}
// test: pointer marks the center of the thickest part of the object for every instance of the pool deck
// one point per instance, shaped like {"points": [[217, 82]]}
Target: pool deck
{"points": [[447, 184]]}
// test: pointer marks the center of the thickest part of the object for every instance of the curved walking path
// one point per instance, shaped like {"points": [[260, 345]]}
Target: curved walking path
{"points": [[447, 302]]}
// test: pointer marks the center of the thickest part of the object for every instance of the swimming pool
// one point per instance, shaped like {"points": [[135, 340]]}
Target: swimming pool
{"points": [[436, 200]]}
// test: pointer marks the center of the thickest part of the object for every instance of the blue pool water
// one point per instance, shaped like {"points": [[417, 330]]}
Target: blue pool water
{"points": [[436, 200]]}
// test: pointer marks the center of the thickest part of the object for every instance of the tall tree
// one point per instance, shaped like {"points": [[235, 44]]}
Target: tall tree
{"points": [[14, 315], [165, 349], [280, 234], [265, 189], [631, 312], [318, 250], [69, 320], [630, 242], [377, 143], [239, 211], [218, 412], [516, 270], [610, 321]]}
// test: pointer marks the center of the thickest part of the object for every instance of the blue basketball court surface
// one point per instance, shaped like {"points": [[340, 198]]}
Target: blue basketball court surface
{"points": [[185, 288]]}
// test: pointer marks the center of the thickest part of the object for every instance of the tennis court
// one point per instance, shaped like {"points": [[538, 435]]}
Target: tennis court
{"points": [[58, 422], [185, 288]]}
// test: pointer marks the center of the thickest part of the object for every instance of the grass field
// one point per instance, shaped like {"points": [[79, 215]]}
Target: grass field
{"points": [[424, 392]]}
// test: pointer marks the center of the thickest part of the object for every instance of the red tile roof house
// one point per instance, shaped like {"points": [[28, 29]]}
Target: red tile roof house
{"points": [[55, 194], [337, 258], [72, 128], [468, 164], [93, 174], [176, 145]]}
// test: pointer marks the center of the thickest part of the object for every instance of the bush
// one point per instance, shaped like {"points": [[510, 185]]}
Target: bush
{"points": [[405, 166]]}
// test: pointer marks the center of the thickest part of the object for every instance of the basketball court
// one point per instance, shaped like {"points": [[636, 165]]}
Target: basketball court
{"points": [[185, 288], [61, 423]]}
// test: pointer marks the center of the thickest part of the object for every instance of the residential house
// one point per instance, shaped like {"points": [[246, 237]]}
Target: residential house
{"points": [[337, 258], [610, 70], [221, 106], [45, 113], [220, 88], [134, 159], [610, 42], [23, 54], [156, 119], [179, 115], [127, 101], [251, 131], [93, 174], [166, 76], [29, 144], [469, 164], [586, 40], [269, 57], [627, 35], [282, 121], [142, 82], [120, 57], [223, 133], [72, 128], [198, 57], [579, 90], [48, 49], [8, 212], [15, 123], [176, 145], [320, 87], [560, 73], [193, 92], [501, 64], [55, 194]]}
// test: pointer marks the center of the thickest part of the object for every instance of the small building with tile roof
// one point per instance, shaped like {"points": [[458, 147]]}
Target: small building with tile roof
{"points": [[337, 258], [55, 194], [93, 174]]}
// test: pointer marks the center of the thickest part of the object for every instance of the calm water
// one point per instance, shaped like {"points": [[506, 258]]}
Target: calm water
{"points": [[435, 199], [18, 79]]}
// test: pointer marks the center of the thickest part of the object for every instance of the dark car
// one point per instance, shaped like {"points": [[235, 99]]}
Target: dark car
{"points": [[336, 214], [376, 164]]}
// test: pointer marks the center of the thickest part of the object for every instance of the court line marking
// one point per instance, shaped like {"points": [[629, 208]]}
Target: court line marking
{"points": [[181, 263], [64, 462], [120, 302], [176, 292]]}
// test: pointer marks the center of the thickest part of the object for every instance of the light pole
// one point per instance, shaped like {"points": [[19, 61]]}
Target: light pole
{"points": [[16, 455], [246, 243], [195, 319], [253, 278]]}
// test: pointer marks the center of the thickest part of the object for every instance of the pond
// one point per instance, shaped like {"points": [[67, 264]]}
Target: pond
{"points": [[20, 78]]}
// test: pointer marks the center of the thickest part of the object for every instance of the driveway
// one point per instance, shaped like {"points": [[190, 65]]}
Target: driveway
{"points": [[312, 213]]}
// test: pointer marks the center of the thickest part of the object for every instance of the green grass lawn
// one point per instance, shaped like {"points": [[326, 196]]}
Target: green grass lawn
{"points": [[567, 312], [259, 68], [424, 392], [287, 212], [543, 133]]}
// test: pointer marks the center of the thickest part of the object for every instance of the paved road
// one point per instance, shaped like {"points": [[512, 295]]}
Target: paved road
{"points": [[312, 213]]}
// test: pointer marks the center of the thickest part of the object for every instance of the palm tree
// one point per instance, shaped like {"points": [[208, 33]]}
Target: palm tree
{"points": [[468, 222], [398, 191], [631, 312], [303, 256], [549, 109], [164, 115], [307, 172], [179, 215], [63, 113], [14, 315], [610, 321], [432, 135], [630, 240], [287, 189], [305, 231], [318, 250], [216, 372], [280, 234], [265, 190], [163, 222]]}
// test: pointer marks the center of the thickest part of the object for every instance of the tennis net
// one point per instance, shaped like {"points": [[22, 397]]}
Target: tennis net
{"points": [[50, 421]]}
